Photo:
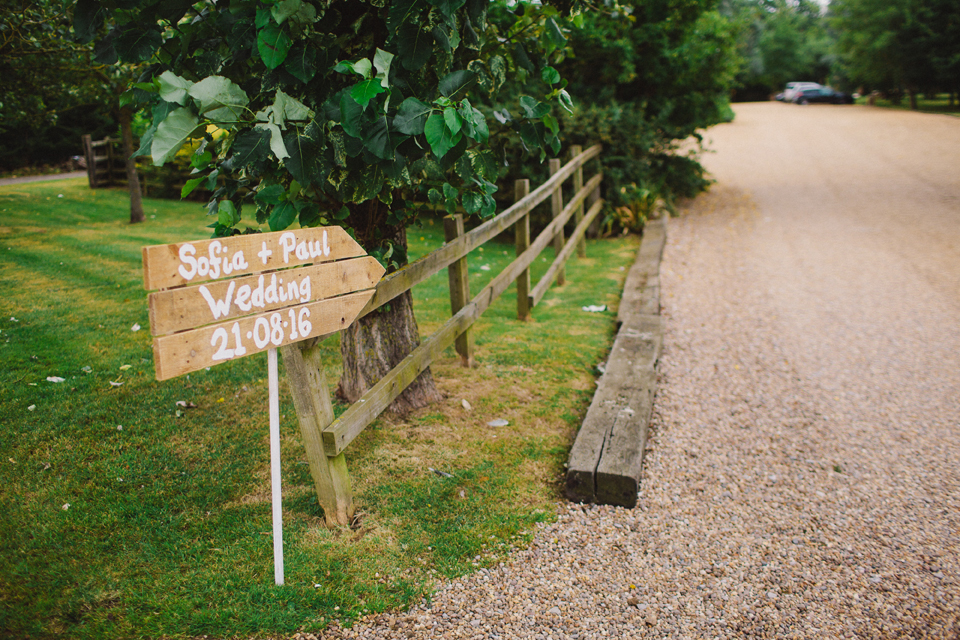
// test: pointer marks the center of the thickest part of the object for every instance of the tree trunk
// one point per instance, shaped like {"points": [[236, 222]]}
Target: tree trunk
{"points": [[913, 99], [376, 343], [133, 180]]}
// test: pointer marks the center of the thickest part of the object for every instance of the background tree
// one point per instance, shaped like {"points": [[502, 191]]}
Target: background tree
{"points": [[340, 112], [647, 75], [51, 93]]}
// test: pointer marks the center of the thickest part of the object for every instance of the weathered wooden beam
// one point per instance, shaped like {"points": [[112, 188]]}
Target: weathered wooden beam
{"points": [[556, 208], [547, 279], [572, 244], [641, 289], [522, 232], [407, 277], [576, 150], [311, 398], [459, 279], [354, 420]]}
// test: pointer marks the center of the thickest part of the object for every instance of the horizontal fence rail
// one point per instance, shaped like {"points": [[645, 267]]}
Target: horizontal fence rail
{"points": [[348, 426], [327, 438]]}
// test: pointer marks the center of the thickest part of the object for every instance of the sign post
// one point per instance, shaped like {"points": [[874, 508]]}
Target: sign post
{"points": [[222, 299]]}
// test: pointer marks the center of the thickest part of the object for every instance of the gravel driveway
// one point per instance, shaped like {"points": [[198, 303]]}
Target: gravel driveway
{"points": [[803, 478]]}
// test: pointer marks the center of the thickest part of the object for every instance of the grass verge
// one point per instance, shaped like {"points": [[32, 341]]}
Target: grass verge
{"points": [[925, 104], [128, 515]]}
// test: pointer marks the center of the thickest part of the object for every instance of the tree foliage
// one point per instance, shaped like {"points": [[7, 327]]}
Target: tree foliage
{"points": [[649, 75], [50, 92], [897, 45], [338, 112]]}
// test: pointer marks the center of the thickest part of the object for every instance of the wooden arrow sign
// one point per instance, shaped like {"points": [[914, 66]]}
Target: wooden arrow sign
{"points": [[282, 302]]}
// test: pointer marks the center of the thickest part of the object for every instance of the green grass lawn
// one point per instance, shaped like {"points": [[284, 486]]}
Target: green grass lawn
{"points": [[127, 515], [938, 104]]}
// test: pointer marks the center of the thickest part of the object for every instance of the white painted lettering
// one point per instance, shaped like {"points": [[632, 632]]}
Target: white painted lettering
{"points": [[270, 293], [302, 252], [316, 248], [187, 252], [292, 291], [243, 298], [257, 298], [305, 289], [239, 262], [265, 253], [218, 307], [289, 242], [326, 247], [213, 250], [203, 266], [282, 292]]}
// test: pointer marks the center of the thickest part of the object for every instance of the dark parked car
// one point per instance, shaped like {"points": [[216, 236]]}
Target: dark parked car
{"points": [[822, 94]]}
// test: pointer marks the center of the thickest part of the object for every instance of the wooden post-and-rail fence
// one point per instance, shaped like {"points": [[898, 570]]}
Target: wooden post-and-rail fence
{"points": [[325, 438], [106, 165]]}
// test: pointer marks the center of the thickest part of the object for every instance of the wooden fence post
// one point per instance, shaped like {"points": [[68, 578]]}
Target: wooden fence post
{"points": [[575, 151], [311, 398], [556, 207], [522, 231], [88, 155], [459, 289]]}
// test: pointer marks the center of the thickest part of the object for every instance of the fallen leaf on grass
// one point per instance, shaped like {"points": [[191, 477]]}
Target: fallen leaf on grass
{"points": [[499, 422], [186, 405], [31, 407], [116, 384], [135, 327], [66, 506], [485, 267], [595, 308], [125, 367], [442, 474], [466, 405], [55, 379], [87, 369]]}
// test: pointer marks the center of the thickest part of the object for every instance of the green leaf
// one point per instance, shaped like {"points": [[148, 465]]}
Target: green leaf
{"points": [[227, 214], [171, 134], [565, 100], [305, 163], [488, 208], [551, 123], [173, 88], [138, 42], [532, 108], [447, 7], [282, 216], [554, 35], [284, 110], [453, 120], [455, 85], [273, 45], [361, 67], [439, 137], [415, 46], [276, 140], [301, 62], [364, 92], [271, 194], [220, 99], [252, 147], [411, 117], [382, 60], [402, 12], [434, 196], [190, 185], [450, 198], [472, 201], [263, 17], [550, 75], [351, 115], [377, 138], [88, 16], [284, 9]]}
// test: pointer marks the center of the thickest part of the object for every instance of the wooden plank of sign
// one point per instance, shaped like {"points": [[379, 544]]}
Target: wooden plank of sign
{"points": [[189, 307], [199, 348], [182, 263]]}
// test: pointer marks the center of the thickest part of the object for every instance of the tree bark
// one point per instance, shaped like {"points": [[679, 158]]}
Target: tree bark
{"points": [[376, 343], [133, 180]]}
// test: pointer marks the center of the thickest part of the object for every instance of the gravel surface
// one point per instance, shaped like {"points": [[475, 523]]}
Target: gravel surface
{"points": [[802, 479]]}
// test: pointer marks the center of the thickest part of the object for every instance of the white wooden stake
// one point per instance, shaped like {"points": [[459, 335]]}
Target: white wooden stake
{"points": [[275, 466]]}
